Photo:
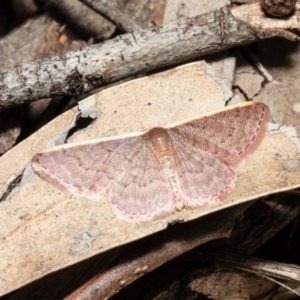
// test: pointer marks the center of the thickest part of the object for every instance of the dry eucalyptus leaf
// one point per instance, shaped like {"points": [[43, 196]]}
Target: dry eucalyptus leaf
{"points": [[143, 256], [220, 282], [41, 224]]}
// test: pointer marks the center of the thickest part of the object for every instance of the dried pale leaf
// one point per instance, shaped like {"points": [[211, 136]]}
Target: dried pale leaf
{"points": [[221, 282], [41, 224], [255, 16], [176, 9], [151, 252]]}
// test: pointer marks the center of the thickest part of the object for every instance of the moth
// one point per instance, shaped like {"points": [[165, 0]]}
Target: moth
{"points": [[151, 174]]}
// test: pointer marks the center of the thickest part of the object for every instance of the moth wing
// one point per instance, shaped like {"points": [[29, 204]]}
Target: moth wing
{"points": [[142, 192], [86, 169], [202, 177], [230, 134]]}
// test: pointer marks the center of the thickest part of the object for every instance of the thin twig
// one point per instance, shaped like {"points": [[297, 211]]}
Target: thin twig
{"points": [[115, 14], [81, 71], [83, 18]]}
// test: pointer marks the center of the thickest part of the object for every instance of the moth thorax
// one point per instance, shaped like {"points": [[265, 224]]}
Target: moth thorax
{"points": [[160, 140]]}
